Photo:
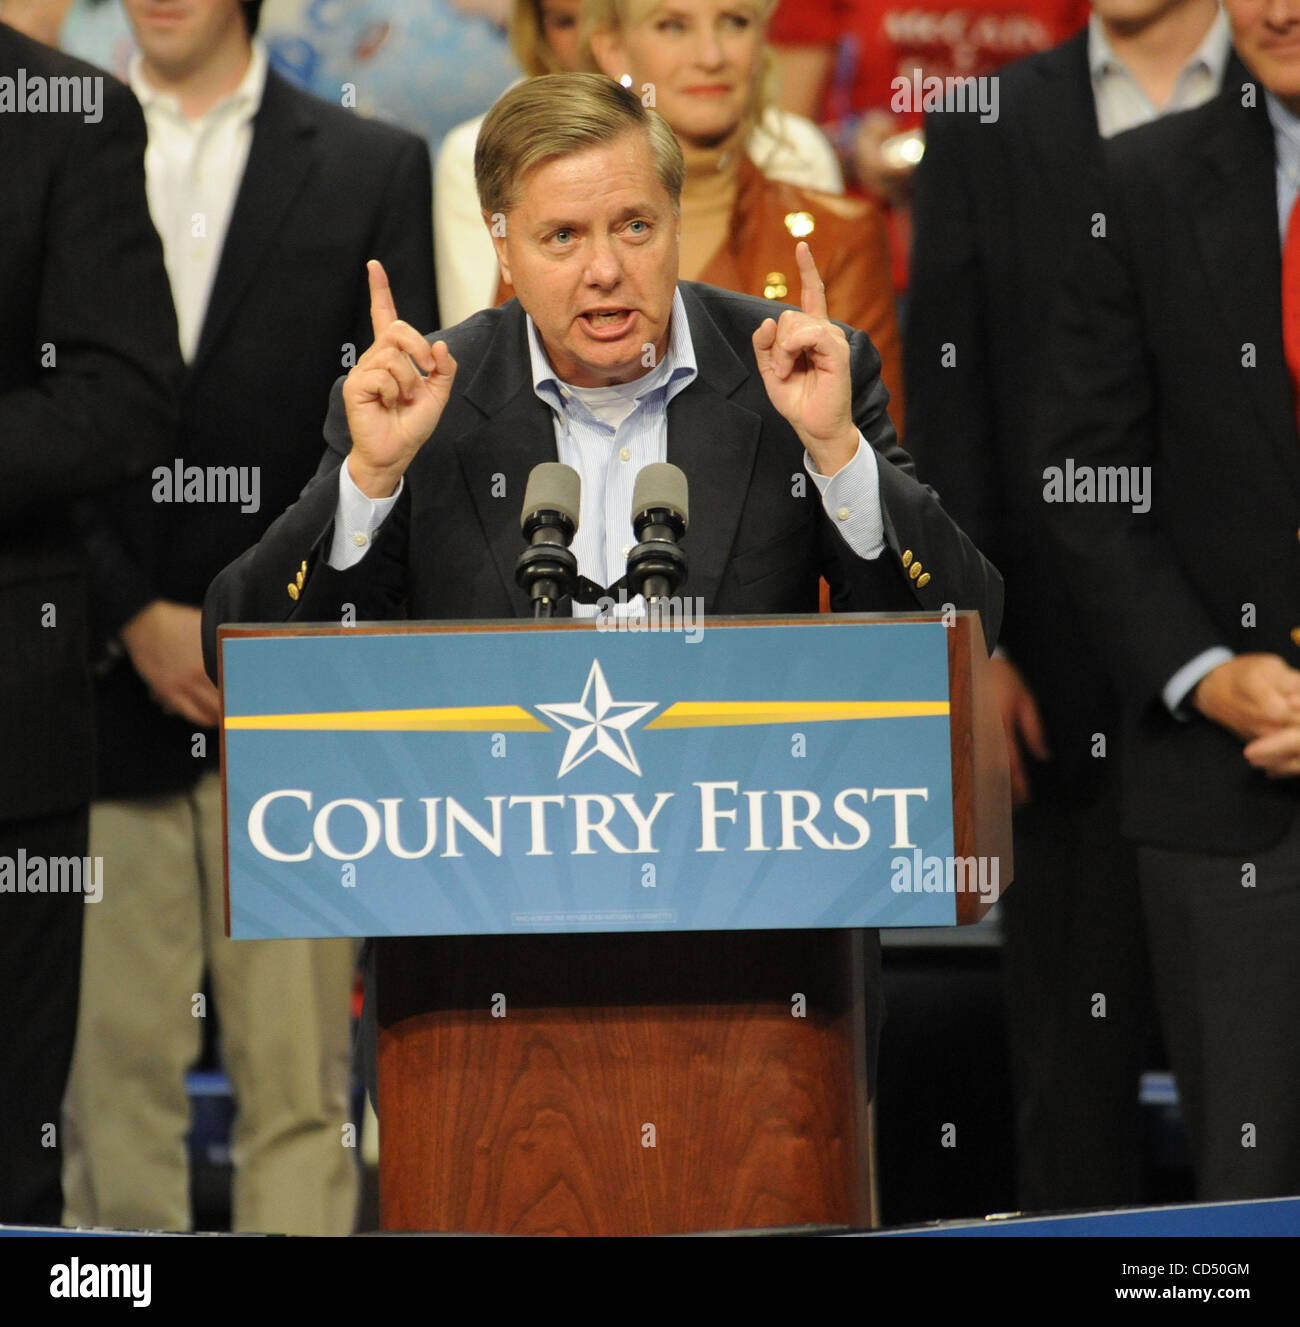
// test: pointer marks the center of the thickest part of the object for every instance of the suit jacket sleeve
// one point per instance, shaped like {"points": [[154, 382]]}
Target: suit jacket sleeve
{"points": [[103, 408], [1100, 408], [120, 584], [951, 423]]}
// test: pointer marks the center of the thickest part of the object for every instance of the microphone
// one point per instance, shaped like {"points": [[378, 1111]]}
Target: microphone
{"points": [[547, 568], [656, 566]]}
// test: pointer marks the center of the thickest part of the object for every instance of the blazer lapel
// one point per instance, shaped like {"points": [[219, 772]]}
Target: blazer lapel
{"points": [[714, 441], [1234, 205], [1062, 129], [280, 159], [497, 455]]}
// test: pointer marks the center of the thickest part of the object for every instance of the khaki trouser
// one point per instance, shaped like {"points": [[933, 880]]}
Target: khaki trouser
{"points": [[283, 1007]]}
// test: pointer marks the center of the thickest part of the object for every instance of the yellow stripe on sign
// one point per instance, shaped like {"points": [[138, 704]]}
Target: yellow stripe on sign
{"points": [[462, 719], [744, 713]]}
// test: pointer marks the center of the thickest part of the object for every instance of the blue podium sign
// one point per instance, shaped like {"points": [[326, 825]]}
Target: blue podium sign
{"points": [[487, 778]]}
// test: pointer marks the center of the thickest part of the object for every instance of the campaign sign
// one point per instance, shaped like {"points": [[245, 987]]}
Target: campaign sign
{"points": [[492, 778]]}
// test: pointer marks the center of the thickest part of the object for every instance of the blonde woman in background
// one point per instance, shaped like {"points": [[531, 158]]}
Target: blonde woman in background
{"points": [[544, 36], [705, 62]]}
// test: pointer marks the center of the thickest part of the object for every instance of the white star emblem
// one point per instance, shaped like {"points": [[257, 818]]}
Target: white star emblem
{"points": [[598, 723]]}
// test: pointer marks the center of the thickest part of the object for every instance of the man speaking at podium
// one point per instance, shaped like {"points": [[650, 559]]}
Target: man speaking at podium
{"points": [[606, 363]]}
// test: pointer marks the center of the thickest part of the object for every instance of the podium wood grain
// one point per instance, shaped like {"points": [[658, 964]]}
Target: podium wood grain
{"points": [[539, 1122]]}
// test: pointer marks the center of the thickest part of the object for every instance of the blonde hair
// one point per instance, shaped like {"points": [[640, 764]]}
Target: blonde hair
{"points": [[619, 15], [555, 115], [528, 41]]}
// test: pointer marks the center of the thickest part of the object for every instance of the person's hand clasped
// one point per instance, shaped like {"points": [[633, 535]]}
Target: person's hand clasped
{"points": [[164, 641], [1257, 698], [1020, 721], [803, 358], [394, 395]]}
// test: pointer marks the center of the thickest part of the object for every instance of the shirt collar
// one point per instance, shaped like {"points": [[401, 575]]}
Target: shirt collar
{"points": [[679, 358], [243, 101], [1211, 54], [1286, 129]]}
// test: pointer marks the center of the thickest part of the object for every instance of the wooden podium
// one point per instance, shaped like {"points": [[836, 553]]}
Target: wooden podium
{"points": [[651, 1083]]}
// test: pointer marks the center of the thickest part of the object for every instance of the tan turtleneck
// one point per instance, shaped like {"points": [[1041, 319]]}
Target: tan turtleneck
{"points": [[708, 196]]}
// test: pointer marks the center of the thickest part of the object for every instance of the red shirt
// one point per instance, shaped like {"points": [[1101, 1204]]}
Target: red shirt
{"points": [[879, 40]]}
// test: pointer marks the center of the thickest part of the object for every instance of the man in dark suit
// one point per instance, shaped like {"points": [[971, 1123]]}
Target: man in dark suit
{"points": [[605, 362], [310, 190], [596, 311], [995, 206], [1169, 370], [88, 365]]}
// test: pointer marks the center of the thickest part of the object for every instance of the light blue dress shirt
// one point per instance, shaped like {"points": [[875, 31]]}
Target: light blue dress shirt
{"points": [[1120, 101]]}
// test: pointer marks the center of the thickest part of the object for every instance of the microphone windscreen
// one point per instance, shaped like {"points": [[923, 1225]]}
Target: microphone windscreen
{"points": [[660, 487], [552, 487]]}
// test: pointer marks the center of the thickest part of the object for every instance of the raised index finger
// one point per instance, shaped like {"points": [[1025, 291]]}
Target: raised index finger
{"points": [[812, 291], [382, 309]]}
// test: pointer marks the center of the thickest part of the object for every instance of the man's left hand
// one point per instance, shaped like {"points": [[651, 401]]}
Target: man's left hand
{"points": [[803, 358]]}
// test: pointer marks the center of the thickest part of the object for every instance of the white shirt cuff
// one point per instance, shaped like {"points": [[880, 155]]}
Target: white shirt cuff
{"points": [[851, 497], [1180, 686], [356, 518]]}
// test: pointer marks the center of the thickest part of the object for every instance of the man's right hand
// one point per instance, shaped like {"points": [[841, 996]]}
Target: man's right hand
{"points": [[1020, 721], [1257, 698], [164, 641], [392, 406]]}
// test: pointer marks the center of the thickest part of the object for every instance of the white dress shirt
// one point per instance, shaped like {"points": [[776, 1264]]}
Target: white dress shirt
{"points": [[193, 170]]}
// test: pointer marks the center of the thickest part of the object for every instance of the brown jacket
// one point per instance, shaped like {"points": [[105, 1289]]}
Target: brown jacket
{"points": [[848, 239]]}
